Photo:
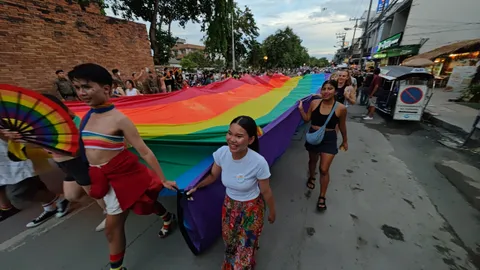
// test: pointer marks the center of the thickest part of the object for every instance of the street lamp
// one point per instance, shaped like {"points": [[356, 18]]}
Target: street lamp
{"points": [[265, 58]]}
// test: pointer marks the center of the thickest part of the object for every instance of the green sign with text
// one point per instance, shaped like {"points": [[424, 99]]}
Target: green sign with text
{"points": [[390, 42]]}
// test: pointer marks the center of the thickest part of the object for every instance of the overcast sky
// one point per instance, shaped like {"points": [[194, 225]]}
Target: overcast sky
{"points": [[315, 21]]}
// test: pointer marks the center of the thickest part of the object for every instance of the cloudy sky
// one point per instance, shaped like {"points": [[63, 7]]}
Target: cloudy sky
{"points": [[315, 21]]}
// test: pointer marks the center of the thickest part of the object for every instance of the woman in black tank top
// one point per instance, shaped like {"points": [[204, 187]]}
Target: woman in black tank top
{"points": [[344, 91], [326, 150]]}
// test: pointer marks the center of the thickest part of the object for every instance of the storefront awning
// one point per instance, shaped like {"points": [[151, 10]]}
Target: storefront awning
{"points": [[397, 51], [448, 49]]}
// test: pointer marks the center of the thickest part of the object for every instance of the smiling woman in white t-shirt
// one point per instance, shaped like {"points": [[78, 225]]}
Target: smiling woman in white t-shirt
{"points": [[245, 174], [131, 90]]}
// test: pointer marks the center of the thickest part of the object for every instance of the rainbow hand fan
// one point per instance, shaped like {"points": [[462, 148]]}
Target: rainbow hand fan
{"points": [[38, 120]]}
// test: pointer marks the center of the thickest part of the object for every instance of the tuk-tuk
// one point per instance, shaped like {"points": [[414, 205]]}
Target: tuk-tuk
{"points": [[404, 92]]}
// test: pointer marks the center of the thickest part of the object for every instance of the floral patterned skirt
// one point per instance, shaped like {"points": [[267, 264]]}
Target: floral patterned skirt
{"points": [[242, 224]]}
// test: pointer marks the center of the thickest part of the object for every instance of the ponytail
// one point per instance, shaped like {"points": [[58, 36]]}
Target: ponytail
{"points": [[255, 145]]}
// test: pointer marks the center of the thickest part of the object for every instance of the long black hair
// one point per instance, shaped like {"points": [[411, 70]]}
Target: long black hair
{"points": [[249, 124]]}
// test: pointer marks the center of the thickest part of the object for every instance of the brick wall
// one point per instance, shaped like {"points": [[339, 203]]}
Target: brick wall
{"points": [[38, 37]]}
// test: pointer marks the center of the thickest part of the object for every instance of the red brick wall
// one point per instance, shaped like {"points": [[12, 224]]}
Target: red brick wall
{"points": [[38, 37]]}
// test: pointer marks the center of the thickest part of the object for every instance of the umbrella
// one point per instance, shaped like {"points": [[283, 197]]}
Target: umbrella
{"points": [[418, 62], [38, 119]]}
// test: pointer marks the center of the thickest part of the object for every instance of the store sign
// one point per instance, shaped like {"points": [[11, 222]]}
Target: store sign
{"points": [[382, 5], [410, 102], [379, 55], [390, 42]]}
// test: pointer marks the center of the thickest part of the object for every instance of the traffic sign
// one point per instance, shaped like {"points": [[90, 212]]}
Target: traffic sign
{"points": [[411, 95]]}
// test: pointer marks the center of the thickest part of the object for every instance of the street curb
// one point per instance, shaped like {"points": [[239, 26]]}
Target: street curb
{"points": [[464, 183], [443, 124]]}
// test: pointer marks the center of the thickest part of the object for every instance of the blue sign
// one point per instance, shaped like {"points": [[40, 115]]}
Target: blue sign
{"points": [[382, 5], [411, 95]]}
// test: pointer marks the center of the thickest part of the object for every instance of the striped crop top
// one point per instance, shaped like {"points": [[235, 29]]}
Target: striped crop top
{"points": [[94, 140]]}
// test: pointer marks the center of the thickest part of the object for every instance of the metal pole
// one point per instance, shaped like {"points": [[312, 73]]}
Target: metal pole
{"points": [[366, 33], [233, 39], [353, 38]]}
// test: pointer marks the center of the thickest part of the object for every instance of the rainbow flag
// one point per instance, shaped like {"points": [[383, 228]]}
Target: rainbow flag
{"points": [[184, 128]]}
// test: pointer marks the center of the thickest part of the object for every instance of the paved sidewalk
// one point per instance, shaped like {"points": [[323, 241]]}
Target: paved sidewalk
{"points": [[450, 115]]}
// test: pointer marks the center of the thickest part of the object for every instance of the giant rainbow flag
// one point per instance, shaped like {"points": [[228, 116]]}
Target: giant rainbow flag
{"points": [[184, 128]]}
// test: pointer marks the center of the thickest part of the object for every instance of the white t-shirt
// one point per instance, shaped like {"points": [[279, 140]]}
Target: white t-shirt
{"points": [[12, 172], [240, 177], [132, 92]]}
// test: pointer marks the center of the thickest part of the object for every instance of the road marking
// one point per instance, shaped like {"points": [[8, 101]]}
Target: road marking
{"points": [[19, 239]]}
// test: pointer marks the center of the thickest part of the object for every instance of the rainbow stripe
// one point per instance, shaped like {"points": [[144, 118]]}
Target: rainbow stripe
{"points": [[94, 140], [30, 112], [185, 127]]}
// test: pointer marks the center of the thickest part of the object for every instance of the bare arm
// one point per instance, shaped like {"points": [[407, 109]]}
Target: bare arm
{"points": [[267, 193], [343, 123], [211, 177], [306, 116], [351, 97], [133, 137]]}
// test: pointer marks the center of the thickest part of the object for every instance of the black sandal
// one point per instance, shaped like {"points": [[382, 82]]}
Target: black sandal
{"points": [[321, 206], [311, 183]]}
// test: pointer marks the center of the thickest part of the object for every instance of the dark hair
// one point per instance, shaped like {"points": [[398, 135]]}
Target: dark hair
{"points": [[91, 73], [58, 71], [250, 126], [114, 71], [376, 71], [58, 102], [130, 81], [331, 82]]}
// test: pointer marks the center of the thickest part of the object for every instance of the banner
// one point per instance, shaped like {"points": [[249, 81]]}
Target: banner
{"points": [[382, 5]]}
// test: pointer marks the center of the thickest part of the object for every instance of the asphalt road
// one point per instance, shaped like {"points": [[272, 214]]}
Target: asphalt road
{"points": [[388, 208]]}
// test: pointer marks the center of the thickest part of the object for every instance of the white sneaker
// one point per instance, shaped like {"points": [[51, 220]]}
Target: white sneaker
{"points": [[101, 226], [368, 118]]}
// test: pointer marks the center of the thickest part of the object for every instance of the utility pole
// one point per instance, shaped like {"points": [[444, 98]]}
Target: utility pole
{"points": [[366, 35], [341, 38], [353, 38]]}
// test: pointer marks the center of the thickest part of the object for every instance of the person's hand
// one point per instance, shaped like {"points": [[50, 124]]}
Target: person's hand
{"points": [[344, 146], [271, 217], [191, 191], [300, 105], [11, 135], [172, 185]]}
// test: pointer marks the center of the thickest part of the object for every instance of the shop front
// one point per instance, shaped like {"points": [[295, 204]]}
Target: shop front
{"points": [[396, 55]]}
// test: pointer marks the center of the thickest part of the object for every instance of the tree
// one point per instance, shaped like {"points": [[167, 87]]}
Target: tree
{"points": [[318, 62], [199, 59], [218, 37], [165, 41], [284, 49], [255, 55], [187, 64], [157, 12]]}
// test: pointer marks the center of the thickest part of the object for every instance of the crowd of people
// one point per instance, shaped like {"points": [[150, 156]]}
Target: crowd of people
{"points": [[103, 167]]}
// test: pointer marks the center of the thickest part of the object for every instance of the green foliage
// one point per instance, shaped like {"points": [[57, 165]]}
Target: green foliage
{"points": [[188, 64], [218, 37], [284, 49], [199, 59], [165, 41], [318, 62]]}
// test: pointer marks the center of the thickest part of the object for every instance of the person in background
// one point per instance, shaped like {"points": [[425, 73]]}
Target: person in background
{"points": [[245, 173], [117, 78], [20, 182], [137, 79], [366, 85], [161, 83], [63, 88], [372, 90], [169, 81], [117, 91], [150, 84], [131, 90], [345, 93]]}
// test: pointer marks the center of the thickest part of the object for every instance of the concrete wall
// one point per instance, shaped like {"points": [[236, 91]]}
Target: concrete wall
{"points": [[399, 22], [442, 21], [38, 37]]}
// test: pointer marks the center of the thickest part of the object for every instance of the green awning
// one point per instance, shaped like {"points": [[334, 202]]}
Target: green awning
{"points": [[397, 51]]}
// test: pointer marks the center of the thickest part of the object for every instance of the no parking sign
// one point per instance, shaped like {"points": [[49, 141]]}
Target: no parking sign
{"points": [[410, 102]]}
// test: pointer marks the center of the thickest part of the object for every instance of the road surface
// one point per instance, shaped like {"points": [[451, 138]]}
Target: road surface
{"points": [[388, 208]]}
